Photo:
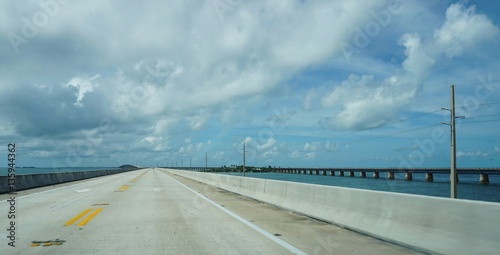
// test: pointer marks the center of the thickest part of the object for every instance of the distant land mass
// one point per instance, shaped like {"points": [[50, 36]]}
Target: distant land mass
{"points": [[128, 167]]}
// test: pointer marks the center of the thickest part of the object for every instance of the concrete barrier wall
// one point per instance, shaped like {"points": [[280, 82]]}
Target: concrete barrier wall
{"points": [[29, 181], [430, 224]]}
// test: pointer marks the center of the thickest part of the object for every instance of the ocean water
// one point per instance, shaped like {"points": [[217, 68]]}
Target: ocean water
{"points": [[467, 188], [42, 170]]}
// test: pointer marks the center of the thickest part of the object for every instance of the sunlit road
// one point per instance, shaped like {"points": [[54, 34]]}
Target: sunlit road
{"points": [[151, 212]]}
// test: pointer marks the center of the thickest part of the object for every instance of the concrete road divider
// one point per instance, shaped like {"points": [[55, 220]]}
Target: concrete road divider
{"points": [[29, 181], [429, 224]]}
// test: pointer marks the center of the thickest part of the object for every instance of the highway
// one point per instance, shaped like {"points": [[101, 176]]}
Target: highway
{"points": [[150, 211]]}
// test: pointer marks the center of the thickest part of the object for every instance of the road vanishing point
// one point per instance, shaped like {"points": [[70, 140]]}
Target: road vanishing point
{"points": [[151, 211]]}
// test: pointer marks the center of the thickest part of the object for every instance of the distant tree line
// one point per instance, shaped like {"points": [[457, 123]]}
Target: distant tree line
{"points": [[235, 168]]}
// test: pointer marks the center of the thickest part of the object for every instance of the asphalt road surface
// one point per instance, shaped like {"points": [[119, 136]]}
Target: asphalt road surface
{"points": [[150, 211]]}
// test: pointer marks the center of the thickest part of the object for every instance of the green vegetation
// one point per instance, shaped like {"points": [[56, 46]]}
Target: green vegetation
{"points": [[239, 168]]}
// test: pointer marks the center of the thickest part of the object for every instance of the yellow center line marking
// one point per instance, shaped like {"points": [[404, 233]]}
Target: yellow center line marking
{"points": [[88, 218], [122, 188], [47, 243], [77, 217]]}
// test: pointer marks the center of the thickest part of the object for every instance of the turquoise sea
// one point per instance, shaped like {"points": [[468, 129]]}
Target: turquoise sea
{"points": [[43, 170], [467, 188]]}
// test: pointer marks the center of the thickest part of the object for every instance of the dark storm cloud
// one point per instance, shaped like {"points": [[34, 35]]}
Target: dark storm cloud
{"points": [[50, 110]]}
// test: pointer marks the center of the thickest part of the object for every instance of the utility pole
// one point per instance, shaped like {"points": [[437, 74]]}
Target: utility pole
{"points": [[190, 162], [453, 149], [206, 160], [244, 156], [453, 152]]}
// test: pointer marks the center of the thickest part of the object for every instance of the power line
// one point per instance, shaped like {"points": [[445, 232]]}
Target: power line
{"points": [[492, 103], [416, 116], [479, 121], [396, 133], [482, 116], [478, 105], [389, 123]]}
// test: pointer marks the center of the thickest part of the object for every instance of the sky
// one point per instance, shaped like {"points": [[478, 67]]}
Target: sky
{"points": [[326, 83]]}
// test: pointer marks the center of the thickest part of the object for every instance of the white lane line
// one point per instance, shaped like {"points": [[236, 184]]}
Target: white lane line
{"points": [[41, 192], [83, 190], [50, 190], [81, 196], [272, 237]]}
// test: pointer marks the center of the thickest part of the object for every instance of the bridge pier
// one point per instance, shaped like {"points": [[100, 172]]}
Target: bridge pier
{"points": [[408, 176], [391, 172], [390, 175], [429, 177], [484, 179]]}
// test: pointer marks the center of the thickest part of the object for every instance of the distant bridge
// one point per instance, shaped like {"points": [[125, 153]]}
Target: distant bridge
{"points": [[361, 172], [408, 172]]}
